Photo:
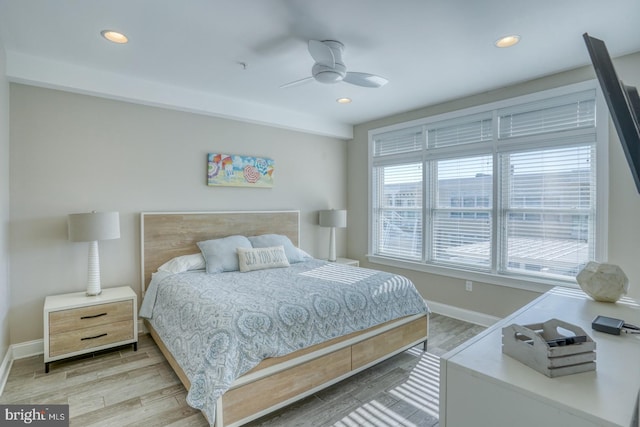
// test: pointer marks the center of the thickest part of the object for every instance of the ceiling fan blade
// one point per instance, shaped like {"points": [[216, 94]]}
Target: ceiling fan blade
{"points": [[297, 82], [365, 80], [321, 53]]}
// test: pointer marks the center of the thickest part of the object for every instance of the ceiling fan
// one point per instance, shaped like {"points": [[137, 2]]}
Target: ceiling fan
{"points": [[329, 67]]}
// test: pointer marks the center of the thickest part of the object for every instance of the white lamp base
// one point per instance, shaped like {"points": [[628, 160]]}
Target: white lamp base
{"points": [[93, 281], [332, 245]]}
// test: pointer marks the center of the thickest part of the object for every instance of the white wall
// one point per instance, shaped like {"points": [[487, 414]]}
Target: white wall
{"points": [[75, 153], [624, 200], [4, 206]]}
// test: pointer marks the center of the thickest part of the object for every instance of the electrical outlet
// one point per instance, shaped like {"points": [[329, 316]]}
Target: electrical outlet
{"points": [[468, 285]]}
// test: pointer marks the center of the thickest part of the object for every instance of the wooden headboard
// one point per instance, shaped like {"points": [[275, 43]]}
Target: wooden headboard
{"points": [[165, 235]]}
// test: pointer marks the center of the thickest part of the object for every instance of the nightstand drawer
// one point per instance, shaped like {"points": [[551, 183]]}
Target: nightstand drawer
{"points": [[87, 317], [81, 339]]}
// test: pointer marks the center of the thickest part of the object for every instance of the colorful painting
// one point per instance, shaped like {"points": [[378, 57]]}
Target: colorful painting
{"points": [[239, 171]]}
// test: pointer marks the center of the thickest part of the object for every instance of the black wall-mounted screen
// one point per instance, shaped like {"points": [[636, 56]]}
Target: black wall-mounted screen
{"points": [[623, 103]]}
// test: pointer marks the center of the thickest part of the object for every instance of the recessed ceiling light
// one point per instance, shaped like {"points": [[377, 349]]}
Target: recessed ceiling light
{"points": [[343, 100], [507, 41], [114, 36]]}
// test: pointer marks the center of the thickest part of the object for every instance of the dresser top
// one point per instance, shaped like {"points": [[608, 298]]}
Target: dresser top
{"points": [[80, 299]]}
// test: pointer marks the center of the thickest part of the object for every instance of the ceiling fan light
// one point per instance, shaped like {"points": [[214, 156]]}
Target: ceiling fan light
{"points": [[325, 74], [344, 100], [328, 77]]}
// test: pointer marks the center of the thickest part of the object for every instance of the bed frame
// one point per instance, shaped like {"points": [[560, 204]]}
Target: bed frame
{"points": [[275, 382]]}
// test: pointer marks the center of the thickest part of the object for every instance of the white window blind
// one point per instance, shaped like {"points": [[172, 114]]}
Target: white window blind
{"points": [[404, 141], [559, 114], [509, 191], [549, 210], [462, 213], [398, 213], [460, 133]]}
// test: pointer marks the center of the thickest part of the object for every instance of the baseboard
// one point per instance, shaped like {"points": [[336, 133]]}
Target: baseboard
{"points": [[18, 351], [27, 349], [470, 316]]}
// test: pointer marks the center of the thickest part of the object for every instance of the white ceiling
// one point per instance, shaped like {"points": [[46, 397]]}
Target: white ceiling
{"points": [[186, 54]]}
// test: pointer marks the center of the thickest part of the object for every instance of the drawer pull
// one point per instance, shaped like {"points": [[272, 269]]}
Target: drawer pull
{"points": [[93, 338], [94, 316]]}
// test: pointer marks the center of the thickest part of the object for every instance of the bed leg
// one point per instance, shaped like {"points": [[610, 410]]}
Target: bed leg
{"points": [[424, 345]]}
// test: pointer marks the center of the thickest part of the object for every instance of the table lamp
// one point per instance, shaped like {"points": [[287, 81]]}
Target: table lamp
{"points": [[333, 218], [91, 227]]}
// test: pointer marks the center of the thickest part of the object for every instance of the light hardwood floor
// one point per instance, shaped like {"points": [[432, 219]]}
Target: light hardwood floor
{"points": [[127, 388]]}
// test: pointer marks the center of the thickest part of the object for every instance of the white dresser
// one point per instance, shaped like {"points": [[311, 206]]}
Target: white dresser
{"points": [[481, 386]]}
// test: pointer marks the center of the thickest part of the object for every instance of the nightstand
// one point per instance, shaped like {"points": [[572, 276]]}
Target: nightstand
{"points": [[348, 261], [76, 324]]}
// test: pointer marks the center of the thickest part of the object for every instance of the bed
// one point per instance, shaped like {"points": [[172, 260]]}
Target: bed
{"points": [[262, 386]]}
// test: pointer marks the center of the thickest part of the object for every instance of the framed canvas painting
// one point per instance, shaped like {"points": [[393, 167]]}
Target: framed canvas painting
{"points": [[239, 171]]}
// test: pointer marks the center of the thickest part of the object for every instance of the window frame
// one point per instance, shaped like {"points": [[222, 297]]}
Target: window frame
{"points": [[511, 280]]}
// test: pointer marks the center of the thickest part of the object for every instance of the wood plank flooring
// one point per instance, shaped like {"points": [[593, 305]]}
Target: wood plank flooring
{"points": [[127, 388]]}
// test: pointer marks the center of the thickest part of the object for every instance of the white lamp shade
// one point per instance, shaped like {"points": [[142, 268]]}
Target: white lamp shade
{"points": [[333, 218], [92, 226]]}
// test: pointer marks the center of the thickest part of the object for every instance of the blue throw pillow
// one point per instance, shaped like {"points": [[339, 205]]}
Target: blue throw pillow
{"points": [[221, 255]]}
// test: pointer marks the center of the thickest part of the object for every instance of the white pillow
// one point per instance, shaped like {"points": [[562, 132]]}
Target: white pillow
{"points": [[183, 263], [261, 258]]}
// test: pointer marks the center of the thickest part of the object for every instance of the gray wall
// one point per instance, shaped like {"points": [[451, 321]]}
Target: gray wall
{"points": [[624, 200], [4, 207], [75, 153]]}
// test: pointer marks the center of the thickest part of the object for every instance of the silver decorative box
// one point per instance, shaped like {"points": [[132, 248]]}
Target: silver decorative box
{"points": [[543, 347]]}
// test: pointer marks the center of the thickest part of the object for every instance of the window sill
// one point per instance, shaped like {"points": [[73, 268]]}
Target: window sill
{"points": [[516, 282]]}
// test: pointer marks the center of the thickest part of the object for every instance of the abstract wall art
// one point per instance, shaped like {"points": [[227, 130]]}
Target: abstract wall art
{"points": [[239, 171]]}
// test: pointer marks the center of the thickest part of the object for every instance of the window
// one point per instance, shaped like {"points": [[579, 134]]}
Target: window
{"points": [[507, 190]]}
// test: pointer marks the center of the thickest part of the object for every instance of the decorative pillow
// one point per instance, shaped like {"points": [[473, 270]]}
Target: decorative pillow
{"points": [[184, 263], [270, 240], [261, 258], [221, 255]]}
